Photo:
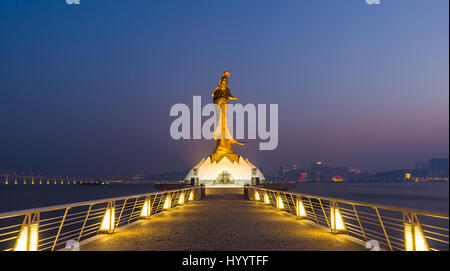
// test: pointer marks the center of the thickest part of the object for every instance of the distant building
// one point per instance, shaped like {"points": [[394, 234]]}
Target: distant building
{"points": [[438, 167], [434, 170], [319, 172], [340, 174], [303, 177], [421, 170]]}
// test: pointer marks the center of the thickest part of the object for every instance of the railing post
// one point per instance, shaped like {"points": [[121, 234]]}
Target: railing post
{"points": [[202, 187], [324, 214], [359, 222], [84, 223], [60, 227], [312, 209], [384, 229], [132, 210], [246, 197], [121, 211]]}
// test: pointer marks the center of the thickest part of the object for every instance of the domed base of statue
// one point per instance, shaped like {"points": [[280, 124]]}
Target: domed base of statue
{"points": [[226, 171]]}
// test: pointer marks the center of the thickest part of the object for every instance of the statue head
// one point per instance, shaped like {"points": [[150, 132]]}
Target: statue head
{"points": [[223, 83]]}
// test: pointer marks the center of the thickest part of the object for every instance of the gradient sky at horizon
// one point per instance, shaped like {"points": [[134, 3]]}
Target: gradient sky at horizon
{"points": [[86, 89]]}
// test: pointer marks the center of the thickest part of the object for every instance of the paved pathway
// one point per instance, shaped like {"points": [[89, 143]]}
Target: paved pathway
{"points": [[223, 221]]}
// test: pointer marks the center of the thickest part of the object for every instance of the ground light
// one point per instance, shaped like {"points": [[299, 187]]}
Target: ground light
{"points": [[181, 199], [300, 209], [414, 238], [167, 202], [28, 238], [280, 204], [108, 219], [191, 196], [257, 195], [336, 221], [146, 209]]}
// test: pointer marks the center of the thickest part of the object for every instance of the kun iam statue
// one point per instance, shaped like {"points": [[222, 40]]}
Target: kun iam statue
{"points": [[223, 166], [225, 141]]}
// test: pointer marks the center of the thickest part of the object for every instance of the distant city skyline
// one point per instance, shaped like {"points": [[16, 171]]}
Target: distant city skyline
{"points": [[435, 169], [292, 166], [86, 89]]}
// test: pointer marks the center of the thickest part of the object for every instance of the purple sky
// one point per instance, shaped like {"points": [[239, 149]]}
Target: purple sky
{"points": [[86, 89]]}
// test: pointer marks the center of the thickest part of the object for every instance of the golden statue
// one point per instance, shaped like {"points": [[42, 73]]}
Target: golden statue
{"points": [[224, 140]]}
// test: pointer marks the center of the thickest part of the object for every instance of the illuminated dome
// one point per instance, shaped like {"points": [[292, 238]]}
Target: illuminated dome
{"points": [[225, 172]]}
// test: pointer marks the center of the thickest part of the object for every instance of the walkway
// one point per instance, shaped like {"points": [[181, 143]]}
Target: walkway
{"points": [[223, 221]]}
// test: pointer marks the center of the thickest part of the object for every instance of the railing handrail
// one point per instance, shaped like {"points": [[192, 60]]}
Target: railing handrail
{"points": [[47, 228], [81, 203], [393, 227], [379, 206]]}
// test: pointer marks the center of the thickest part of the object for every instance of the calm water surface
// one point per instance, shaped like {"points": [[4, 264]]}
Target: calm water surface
{"points": [[428, 197], [420, 196], [18, 197]]}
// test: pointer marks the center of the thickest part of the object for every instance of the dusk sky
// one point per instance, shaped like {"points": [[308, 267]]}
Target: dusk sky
{"points": [[86, 89]]}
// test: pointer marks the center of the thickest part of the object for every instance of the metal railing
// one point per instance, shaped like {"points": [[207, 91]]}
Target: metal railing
{"points": [[393, 228], [49, 228]]}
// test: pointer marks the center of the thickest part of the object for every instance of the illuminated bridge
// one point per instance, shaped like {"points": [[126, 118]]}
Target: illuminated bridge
{"points": [[249, 218]]}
